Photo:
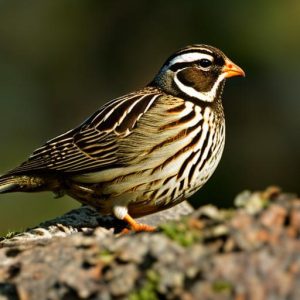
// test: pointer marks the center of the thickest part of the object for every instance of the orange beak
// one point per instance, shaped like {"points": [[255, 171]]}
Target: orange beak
{"points": [[230, 69]]}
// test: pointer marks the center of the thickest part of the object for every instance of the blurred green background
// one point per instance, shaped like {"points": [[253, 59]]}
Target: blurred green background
{"points": [[62, 59]]}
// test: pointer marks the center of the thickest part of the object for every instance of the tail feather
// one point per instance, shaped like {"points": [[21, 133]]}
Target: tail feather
{"points": [[8, 184], [21, 183]]}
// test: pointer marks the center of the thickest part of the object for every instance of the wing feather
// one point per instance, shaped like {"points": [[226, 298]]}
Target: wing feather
{"points": [[94, 144]]}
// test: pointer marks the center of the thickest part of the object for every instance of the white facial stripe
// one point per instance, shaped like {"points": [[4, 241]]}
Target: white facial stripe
{"points": [[190, 57], [203, 96]]}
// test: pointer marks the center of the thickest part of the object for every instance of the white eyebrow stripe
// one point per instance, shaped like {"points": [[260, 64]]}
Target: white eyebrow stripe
{"points": [[190, 57]]}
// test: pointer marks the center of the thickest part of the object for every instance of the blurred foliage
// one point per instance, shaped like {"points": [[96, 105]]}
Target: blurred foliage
{"points": [[61, 59]]}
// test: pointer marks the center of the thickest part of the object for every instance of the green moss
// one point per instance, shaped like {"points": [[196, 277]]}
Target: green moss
{"points": [[181, 232], [10, 234], [221, 286], [106, 257], [149, 289]]}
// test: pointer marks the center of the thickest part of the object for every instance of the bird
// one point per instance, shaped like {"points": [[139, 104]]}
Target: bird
{"points": [[145, 151]]}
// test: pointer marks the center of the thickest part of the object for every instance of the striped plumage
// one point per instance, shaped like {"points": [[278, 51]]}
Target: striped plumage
{"points": [[145, 151]]}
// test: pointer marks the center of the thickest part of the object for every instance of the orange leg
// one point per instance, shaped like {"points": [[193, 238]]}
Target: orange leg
{"points": [[135, 226]]}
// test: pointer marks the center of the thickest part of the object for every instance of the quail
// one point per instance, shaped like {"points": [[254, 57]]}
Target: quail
{"points": [[145, 151]]}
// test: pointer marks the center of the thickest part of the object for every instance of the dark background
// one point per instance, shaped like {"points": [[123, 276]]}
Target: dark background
{"points": [[60, 60]]}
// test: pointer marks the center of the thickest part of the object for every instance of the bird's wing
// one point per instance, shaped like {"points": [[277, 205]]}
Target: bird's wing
{"points": [[93, 145]]}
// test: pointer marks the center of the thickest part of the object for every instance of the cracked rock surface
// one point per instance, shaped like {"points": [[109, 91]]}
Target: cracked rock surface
{"points": [[251, 251]]}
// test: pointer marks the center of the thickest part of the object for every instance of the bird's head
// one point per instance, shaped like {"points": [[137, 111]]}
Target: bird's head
{"points": [[196, 71]]}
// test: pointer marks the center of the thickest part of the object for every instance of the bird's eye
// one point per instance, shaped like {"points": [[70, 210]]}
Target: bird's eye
{"points": [[205, 63]]}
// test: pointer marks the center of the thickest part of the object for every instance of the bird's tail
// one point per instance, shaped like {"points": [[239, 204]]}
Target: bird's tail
{"points": [[8, 184], [20, 183]]}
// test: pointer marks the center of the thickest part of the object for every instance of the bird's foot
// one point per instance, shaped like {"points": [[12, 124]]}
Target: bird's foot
{"points": [[135, 226]]}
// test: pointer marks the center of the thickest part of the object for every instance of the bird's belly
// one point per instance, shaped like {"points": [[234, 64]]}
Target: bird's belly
{"points": [[203, 175], [149, 189]]}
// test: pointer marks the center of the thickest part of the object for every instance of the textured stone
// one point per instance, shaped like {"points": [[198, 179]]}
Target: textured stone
{"points": [[230, 254]]}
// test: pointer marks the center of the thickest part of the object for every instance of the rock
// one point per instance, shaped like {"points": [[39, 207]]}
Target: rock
{"points": [[250, 252]]}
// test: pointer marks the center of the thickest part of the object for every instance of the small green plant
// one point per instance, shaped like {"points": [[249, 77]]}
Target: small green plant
{"points": [[10, 234], [221, 286], [106, 257], [149, 288], [181, 232]]}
